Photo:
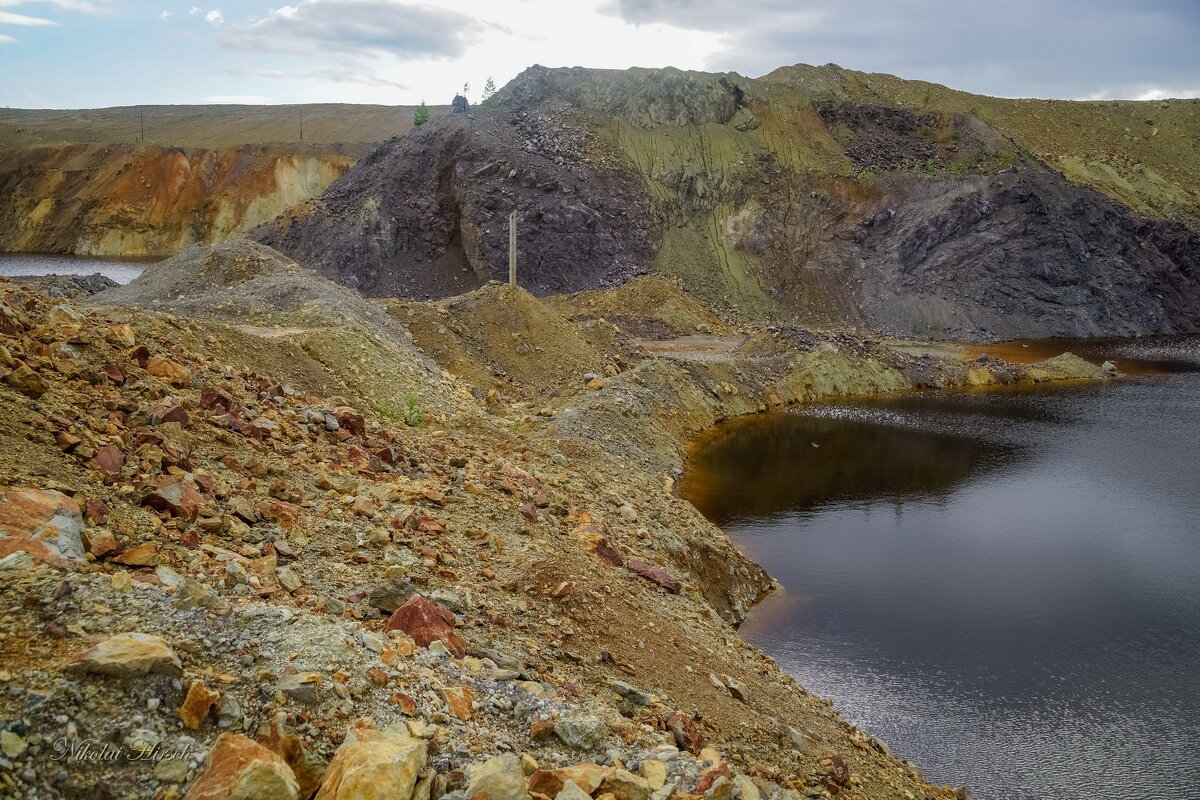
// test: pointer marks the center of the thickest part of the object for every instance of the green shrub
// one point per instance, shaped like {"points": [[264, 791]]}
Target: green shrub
{"points": [[421, 115]]}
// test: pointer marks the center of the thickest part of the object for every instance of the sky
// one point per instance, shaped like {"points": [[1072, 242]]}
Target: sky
{"points": [[97, 53]]}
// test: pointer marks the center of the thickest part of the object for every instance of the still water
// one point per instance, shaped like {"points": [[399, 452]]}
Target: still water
{"points": [[1003, 585], [120, 269]]}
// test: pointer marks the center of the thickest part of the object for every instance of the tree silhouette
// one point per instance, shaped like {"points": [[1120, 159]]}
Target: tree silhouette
{"points": [[421, 115]]}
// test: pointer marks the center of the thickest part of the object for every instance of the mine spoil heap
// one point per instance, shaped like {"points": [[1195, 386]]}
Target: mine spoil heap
{"points": [[262, 537]]}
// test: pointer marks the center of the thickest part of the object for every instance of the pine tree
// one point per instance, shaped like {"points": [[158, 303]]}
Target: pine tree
{"points": [[489, 89], [421, 116]]}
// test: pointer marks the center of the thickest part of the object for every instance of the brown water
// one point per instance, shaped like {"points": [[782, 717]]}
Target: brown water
{"points": [[120, 269], [1004, 585]]}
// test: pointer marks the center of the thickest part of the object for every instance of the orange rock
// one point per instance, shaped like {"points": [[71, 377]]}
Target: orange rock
{"points": [[308, 767], [378, 676], [46, 524], [143, 555], [407, 704], [99, 541], [459, 699], [241, 768], [128, 654], [172, 372], [374, 765], [197, 704]]}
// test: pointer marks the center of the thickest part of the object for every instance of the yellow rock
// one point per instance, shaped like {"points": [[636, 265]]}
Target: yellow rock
{"points": [[374, 765]]}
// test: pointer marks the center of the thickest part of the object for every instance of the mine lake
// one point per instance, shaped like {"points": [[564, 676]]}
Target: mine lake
{"points": [[1001, 584]]}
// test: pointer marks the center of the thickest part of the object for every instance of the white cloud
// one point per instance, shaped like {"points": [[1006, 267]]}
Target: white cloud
{"points": [[238, 99], [164, 15], [6, 39], [194, 10], [1141, 92], [9, 18], [66, 5], [214, 16]]}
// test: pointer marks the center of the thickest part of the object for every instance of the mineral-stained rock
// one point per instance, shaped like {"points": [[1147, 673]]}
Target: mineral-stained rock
{"points": [[308, 767], [426, 623], [170, 371], [587, 777], [241, 769], [44, 523], [624, 785], [655, 773], [301, 685], [143, 555], [584, 732], [687, 734], [374, 765], [128, 654], [26, 381], [216, 400], [109, 459], [501, 778], [570, 791], [459, 700], [166, 409], [196, 705], [655, 575], [178, 498]]}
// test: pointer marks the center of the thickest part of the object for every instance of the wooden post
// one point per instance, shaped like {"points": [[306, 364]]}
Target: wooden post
{"points": [[512, 249]]}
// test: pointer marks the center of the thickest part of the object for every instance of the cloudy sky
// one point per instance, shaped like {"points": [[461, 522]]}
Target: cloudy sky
{"points": [[90, 53]]}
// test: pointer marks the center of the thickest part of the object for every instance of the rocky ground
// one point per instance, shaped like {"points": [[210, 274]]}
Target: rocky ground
{"points": [[263, 538]]}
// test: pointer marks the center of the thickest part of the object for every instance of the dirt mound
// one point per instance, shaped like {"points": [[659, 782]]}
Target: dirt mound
{"points": [[302, 323], [653, 307], [503, 337]]}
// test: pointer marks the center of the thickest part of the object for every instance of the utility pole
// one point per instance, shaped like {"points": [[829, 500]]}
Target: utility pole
{"points": [[302, 123], [512, 249], [142, 124]]}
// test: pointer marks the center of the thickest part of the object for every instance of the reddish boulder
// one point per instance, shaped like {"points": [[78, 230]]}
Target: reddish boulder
{"points": [[216, 400], [686, 732], [108, 459], [427, 623], [178, 498]]}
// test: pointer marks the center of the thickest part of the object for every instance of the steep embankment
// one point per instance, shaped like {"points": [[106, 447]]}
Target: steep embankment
{"points": [[152, 180], [813, 196]]}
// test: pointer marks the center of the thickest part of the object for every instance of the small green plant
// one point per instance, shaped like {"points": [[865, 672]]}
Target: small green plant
{"points": [[930, 167], [489, 89], [950, 136], [927, 98], [958, 169], [1006, 157], [412, 414], [421, 115], [867, 174]]}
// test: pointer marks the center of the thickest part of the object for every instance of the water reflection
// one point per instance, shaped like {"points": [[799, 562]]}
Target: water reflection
{"points": [[1003, 585]]}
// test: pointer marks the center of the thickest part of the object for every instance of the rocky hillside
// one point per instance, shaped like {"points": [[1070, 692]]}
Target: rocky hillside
{"points": [[812, 196], [260, 537], [87, 182]]}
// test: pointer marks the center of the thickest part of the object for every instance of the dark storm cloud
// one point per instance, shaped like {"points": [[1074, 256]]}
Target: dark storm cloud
{"points": [[1017, 48], [360, 27]]}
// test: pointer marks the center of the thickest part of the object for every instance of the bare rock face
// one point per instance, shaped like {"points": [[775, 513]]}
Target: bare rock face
{"points": [[374, 765], [129, 654], [44, 523], [241, 769]]}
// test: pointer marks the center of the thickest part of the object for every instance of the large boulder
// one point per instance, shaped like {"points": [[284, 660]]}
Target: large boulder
{"points": [[373, 765], [241, 769], [44, 523]]}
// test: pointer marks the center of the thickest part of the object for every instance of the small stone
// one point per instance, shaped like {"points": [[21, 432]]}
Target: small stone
{"points": [[500, 778], [655, 773], [12, 745], [197, 704], [459, 699], [129, 654], [655, 575], [288, 579], [241, 769], [628, 513], [374, 765], [99, 542], [624, 785], [302, 686], [171, 770], [583, 732], [570, 791], [16, 562], [143, 555]]}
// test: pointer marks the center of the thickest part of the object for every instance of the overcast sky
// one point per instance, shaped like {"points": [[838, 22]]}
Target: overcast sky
{"points": [[89, 53]]}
